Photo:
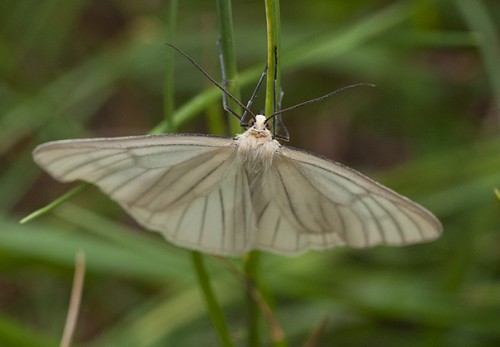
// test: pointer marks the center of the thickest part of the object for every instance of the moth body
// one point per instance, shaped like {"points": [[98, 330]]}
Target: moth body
{"points": [[256, 147]]}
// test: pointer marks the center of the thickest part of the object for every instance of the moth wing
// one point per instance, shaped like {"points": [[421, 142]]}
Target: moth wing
{"points": [[186, 187], [308, 202]]}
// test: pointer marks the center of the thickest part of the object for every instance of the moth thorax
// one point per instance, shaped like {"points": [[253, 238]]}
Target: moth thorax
{"points": [[256, 149]]}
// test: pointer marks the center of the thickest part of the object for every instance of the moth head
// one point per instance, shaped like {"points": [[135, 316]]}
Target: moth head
{"points": [[258, 127], [256, 123], [260, 123]]}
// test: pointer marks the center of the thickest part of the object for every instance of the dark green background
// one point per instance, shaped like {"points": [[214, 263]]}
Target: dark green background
{"points": [[430, 130]]}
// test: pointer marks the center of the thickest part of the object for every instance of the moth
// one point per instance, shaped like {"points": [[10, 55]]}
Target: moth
{"points": [[227, 196]]}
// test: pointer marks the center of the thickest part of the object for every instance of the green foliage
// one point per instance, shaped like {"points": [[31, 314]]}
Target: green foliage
{"points": [[430, 130]]}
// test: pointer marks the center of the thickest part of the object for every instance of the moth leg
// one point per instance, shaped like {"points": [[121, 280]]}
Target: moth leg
{"points": [[245, 118], [279, 129]]}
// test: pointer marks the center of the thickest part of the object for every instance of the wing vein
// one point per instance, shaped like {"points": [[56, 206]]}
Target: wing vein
{"points": [[292, 209], [203, 217], [223, 218], [374, 218], [88, 162]]}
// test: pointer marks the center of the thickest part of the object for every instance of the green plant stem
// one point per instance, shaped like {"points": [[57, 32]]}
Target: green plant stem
{"points": [[168, 86], [213, 307], [225, 19], [273, 51], [251, 263], [60, 200]]}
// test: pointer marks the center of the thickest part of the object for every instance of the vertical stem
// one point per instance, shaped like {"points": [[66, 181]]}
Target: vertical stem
{"points": [[225, 19], [272, 94], [251, 262], [168, 85], [213, 307], [273, 50], [75, 300]]}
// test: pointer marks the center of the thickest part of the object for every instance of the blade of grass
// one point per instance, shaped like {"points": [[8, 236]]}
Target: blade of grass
{"points": [[251, 263], [273, 53], [168, 86], [226, 32], [213, 306], [59, 201]]}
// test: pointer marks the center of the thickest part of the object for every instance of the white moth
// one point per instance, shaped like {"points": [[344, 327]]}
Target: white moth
{"points": [[228, 196]]}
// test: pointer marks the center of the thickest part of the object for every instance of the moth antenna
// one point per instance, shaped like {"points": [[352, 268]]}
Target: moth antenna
{"points": [[225, 105], [210, 78], [243, 119], [318, 99], [279, 129]]}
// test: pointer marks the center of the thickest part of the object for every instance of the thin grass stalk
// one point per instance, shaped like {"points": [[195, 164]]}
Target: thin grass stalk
{"points": [[75, 300], [226, 32], [59, 201], [273, 53], [168, 86], [251, 263], [213, 306]]}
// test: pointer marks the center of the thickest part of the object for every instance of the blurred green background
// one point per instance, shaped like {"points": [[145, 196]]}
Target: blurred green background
{"points": [[430, 130]]}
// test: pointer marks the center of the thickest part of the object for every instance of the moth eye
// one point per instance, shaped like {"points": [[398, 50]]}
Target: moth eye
{"points": [[251, 122]]}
